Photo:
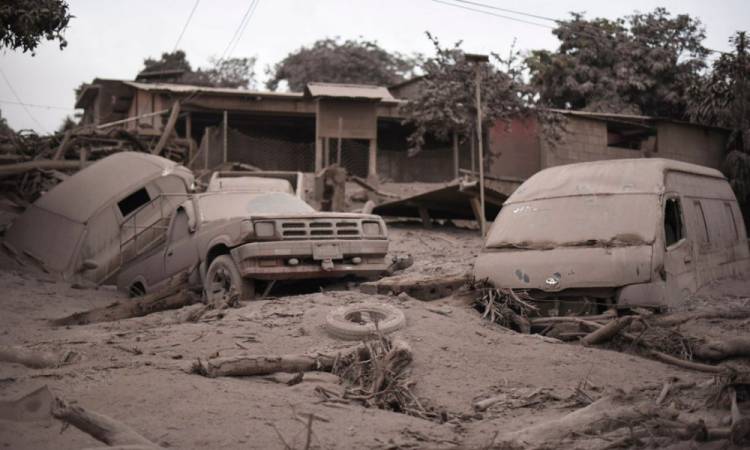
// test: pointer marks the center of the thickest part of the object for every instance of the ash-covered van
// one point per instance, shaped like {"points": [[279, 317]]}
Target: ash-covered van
{"points": [[633, 232], [101, 217]]}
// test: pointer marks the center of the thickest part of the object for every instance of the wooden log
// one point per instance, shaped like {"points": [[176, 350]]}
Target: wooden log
{"points": [[41, 164], [243, 366], [663, 357], [168, 129], [725, 349], [680, 318], [64, 145], [36, 405], [606, 414], [486, 403], [29, 358], [608, 331], [173, 297], [99, 426]]}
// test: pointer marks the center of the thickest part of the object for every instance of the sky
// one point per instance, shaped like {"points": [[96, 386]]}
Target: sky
{"points": [[111, 38]]}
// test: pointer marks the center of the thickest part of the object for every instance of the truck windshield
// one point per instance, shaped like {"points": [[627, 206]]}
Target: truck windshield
{"points": [[587, 220], [227, 205]]}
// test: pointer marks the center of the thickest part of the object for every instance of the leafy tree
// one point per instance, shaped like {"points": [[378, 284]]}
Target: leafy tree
{"points": [[446, 101], [330, 60], [643, 64], [24, 23], [176, 60], [231, 72], [722, 98], [5, 129]]}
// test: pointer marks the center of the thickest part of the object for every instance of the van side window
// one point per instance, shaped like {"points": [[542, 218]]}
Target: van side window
{"points": [[672, 221], [133, 201], [701, 222], [730, 216]]}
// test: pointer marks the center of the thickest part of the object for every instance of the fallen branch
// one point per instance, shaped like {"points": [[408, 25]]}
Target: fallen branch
{"points": [[720, 350], [606, 414], [32, 359], [36, 405], [100, 427], [244, 366], [663, 357], [608, 331], [171, 298], [41, 164]]}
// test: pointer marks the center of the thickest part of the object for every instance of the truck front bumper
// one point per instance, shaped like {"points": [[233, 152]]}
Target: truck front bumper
{"points": [[334, 258]]}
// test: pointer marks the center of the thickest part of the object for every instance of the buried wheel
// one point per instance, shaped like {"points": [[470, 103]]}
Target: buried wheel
{"points": [[359, 321], [223, 278]]}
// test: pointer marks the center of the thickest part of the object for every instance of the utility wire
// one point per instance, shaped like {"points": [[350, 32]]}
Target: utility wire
{"points": [[536, 16], [184, 27], [238, 30], [32, 105], [15, 94], [489, 13], [512, 11], [250, 16]]}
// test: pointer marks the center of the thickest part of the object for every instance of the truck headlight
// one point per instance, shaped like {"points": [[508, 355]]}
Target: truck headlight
{"points": [[371, 229], [246, 229], [265, 229]]}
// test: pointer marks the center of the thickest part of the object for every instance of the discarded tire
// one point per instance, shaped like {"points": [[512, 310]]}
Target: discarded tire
{"points": [[358, 321]]}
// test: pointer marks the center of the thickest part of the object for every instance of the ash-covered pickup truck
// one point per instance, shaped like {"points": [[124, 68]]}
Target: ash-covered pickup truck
{"points": [[232, 239]]}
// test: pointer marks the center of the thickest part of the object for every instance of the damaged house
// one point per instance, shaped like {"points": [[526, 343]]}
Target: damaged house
{"points": [[360, 128]]}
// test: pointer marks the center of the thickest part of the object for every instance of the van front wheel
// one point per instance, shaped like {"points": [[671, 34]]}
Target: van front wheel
{"points": [[223, 278]]}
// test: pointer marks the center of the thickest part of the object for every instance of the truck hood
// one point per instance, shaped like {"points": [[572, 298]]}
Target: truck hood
{"points": [[565, 267]]}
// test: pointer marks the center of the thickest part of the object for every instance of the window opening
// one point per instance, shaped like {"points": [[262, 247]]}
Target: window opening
{"points": [[672, 222]]}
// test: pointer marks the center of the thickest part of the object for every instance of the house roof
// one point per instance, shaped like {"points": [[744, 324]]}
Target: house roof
{"points": [[190, 89], [349, 91], [629, 118], [619, 176]]}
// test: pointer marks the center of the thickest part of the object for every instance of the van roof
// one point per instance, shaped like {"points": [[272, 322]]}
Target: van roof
{"points": [[618, 176], [83, 194]]}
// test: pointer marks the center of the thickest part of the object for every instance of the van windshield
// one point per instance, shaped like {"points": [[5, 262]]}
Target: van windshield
{"points": [[587, 220], [228, 205]]}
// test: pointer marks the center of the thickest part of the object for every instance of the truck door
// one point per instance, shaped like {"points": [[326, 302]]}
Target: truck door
{"points": [[181, 251], [679, 266]]}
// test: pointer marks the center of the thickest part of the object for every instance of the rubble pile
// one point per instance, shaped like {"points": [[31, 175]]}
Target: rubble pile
{"points": [[31, 164]]}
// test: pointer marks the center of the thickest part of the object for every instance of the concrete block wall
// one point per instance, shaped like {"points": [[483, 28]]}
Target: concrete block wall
{"points": [[584, 140], [693, 144]]}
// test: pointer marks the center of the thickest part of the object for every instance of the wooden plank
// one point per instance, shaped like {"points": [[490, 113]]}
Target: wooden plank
{"points": [[168, 129]]}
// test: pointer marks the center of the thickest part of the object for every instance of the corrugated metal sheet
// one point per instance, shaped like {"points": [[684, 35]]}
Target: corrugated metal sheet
{"points": [[188, 89], [352, 91]]}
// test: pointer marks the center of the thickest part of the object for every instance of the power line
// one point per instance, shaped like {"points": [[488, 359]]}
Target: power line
{"points": [[512, 11], [252, 11], [184, 27], [536, 16], [15, 94], [528, 22], [32, 105], [239, 28]]}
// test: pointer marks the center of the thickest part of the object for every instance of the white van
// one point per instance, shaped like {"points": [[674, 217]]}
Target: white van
{"points": [[632, 232], [103, 216]]}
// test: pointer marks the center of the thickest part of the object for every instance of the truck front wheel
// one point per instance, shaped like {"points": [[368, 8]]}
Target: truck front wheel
{"points": [[223, 278]]}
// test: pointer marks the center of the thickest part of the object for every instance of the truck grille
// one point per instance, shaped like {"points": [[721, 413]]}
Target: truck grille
{"points": [[320, 229]]}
